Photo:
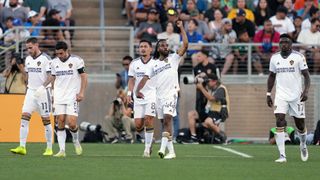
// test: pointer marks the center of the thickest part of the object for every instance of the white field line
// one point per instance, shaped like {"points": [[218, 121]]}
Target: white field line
{"points": [[233, 151]]}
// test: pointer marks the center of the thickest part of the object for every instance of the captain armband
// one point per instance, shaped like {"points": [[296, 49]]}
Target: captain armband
{"points": [[81, 70]]}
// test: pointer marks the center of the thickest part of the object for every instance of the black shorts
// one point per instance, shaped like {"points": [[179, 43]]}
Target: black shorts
{"points": [[215, 116]]}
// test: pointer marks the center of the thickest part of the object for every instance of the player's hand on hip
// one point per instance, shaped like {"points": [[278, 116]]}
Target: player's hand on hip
{"points": [[269, 101], [304, 96], [41, 90], [79, 97], [140, 95]]}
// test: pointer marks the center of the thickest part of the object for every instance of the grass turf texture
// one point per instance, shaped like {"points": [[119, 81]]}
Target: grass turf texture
{"points": [[124, 161]]}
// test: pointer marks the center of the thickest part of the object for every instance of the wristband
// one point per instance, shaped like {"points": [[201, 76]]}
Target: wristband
{"points": [[129, 93], [268, 94], [224, 106]]}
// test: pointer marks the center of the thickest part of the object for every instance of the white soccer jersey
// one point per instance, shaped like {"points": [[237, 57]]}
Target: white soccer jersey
{"points": [[137, 70], [288, 75], [68, 81], [37, 69], [165, 73]]}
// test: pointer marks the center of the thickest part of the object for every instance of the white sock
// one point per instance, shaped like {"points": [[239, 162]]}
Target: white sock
{"points": [[170, 146], [303, 138], [48, 133], [148, 140], [75, 138], [24, 130], [164, 141], [61, 134], [279, 136]]}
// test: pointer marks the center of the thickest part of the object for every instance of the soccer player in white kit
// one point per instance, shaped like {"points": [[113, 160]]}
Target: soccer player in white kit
{"points": [[38, 96], [70, 81], [286, 69], [165, 74], [144, 108]]}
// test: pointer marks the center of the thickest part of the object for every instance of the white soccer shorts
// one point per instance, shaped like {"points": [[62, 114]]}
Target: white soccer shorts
{"points": [[140, 110], [68, 109], [42, 105], [167, 105], [294, 108]]}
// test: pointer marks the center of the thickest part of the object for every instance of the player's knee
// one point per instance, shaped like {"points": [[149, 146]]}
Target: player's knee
{"points": [[281, 122], [148, 120], [46, 121], [139, 128], [26, 116], [73, 128]]}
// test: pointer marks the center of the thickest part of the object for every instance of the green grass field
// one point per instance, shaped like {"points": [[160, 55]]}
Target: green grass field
{"points": [[124, 161]]}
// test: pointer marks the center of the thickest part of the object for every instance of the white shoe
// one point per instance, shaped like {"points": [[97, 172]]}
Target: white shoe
{"points": [[146, 154], [170, 156], [304, 152], [282, 159]]}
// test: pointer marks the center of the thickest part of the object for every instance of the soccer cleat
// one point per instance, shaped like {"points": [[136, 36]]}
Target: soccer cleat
{"points": [[48, 152], [60, 154], [161, 154], [146, 154], [282, 159], [19, 150], [304, 153], [78, 149], [170, 156]]}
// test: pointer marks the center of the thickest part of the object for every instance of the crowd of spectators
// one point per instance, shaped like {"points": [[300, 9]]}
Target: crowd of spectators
{"points": [[29, 14], [227, 22]]}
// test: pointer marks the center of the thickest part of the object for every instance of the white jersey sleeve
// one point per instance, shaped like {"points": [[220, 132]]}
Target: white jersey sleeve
{"points": [[80, 63], [303, 63]]}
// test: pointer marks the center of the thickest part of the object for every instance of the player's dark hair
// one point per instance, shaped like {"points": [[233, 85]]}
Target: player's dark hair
{"points": [[127, 58], [156, 53], [61, 45], [32, 40], [146, 41]]}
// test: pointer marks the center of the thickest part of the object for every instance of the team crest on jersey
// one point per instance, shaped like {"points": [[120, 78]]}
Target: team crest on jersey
{"points": [[70, 65], [138, 68], [57, 66], [291, 62], [38, 63], [278, 63]]}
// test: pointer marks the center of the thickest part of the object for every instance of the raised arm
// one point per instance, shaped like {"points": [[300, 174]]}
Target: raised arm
{"points": [[185, 42]]}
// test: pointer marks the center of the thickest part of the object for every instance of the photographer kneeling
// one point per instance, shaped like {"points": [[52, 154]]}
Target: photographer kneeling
{"points": [[119, 119], [216, 110], [15, 75]]}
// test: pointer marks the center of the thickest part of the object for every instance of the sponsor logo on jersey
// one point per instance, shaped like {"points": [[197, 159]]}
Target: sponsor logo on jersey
{"points": [[34, 70], [64, 73], [285, 69], [159, 70]]}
